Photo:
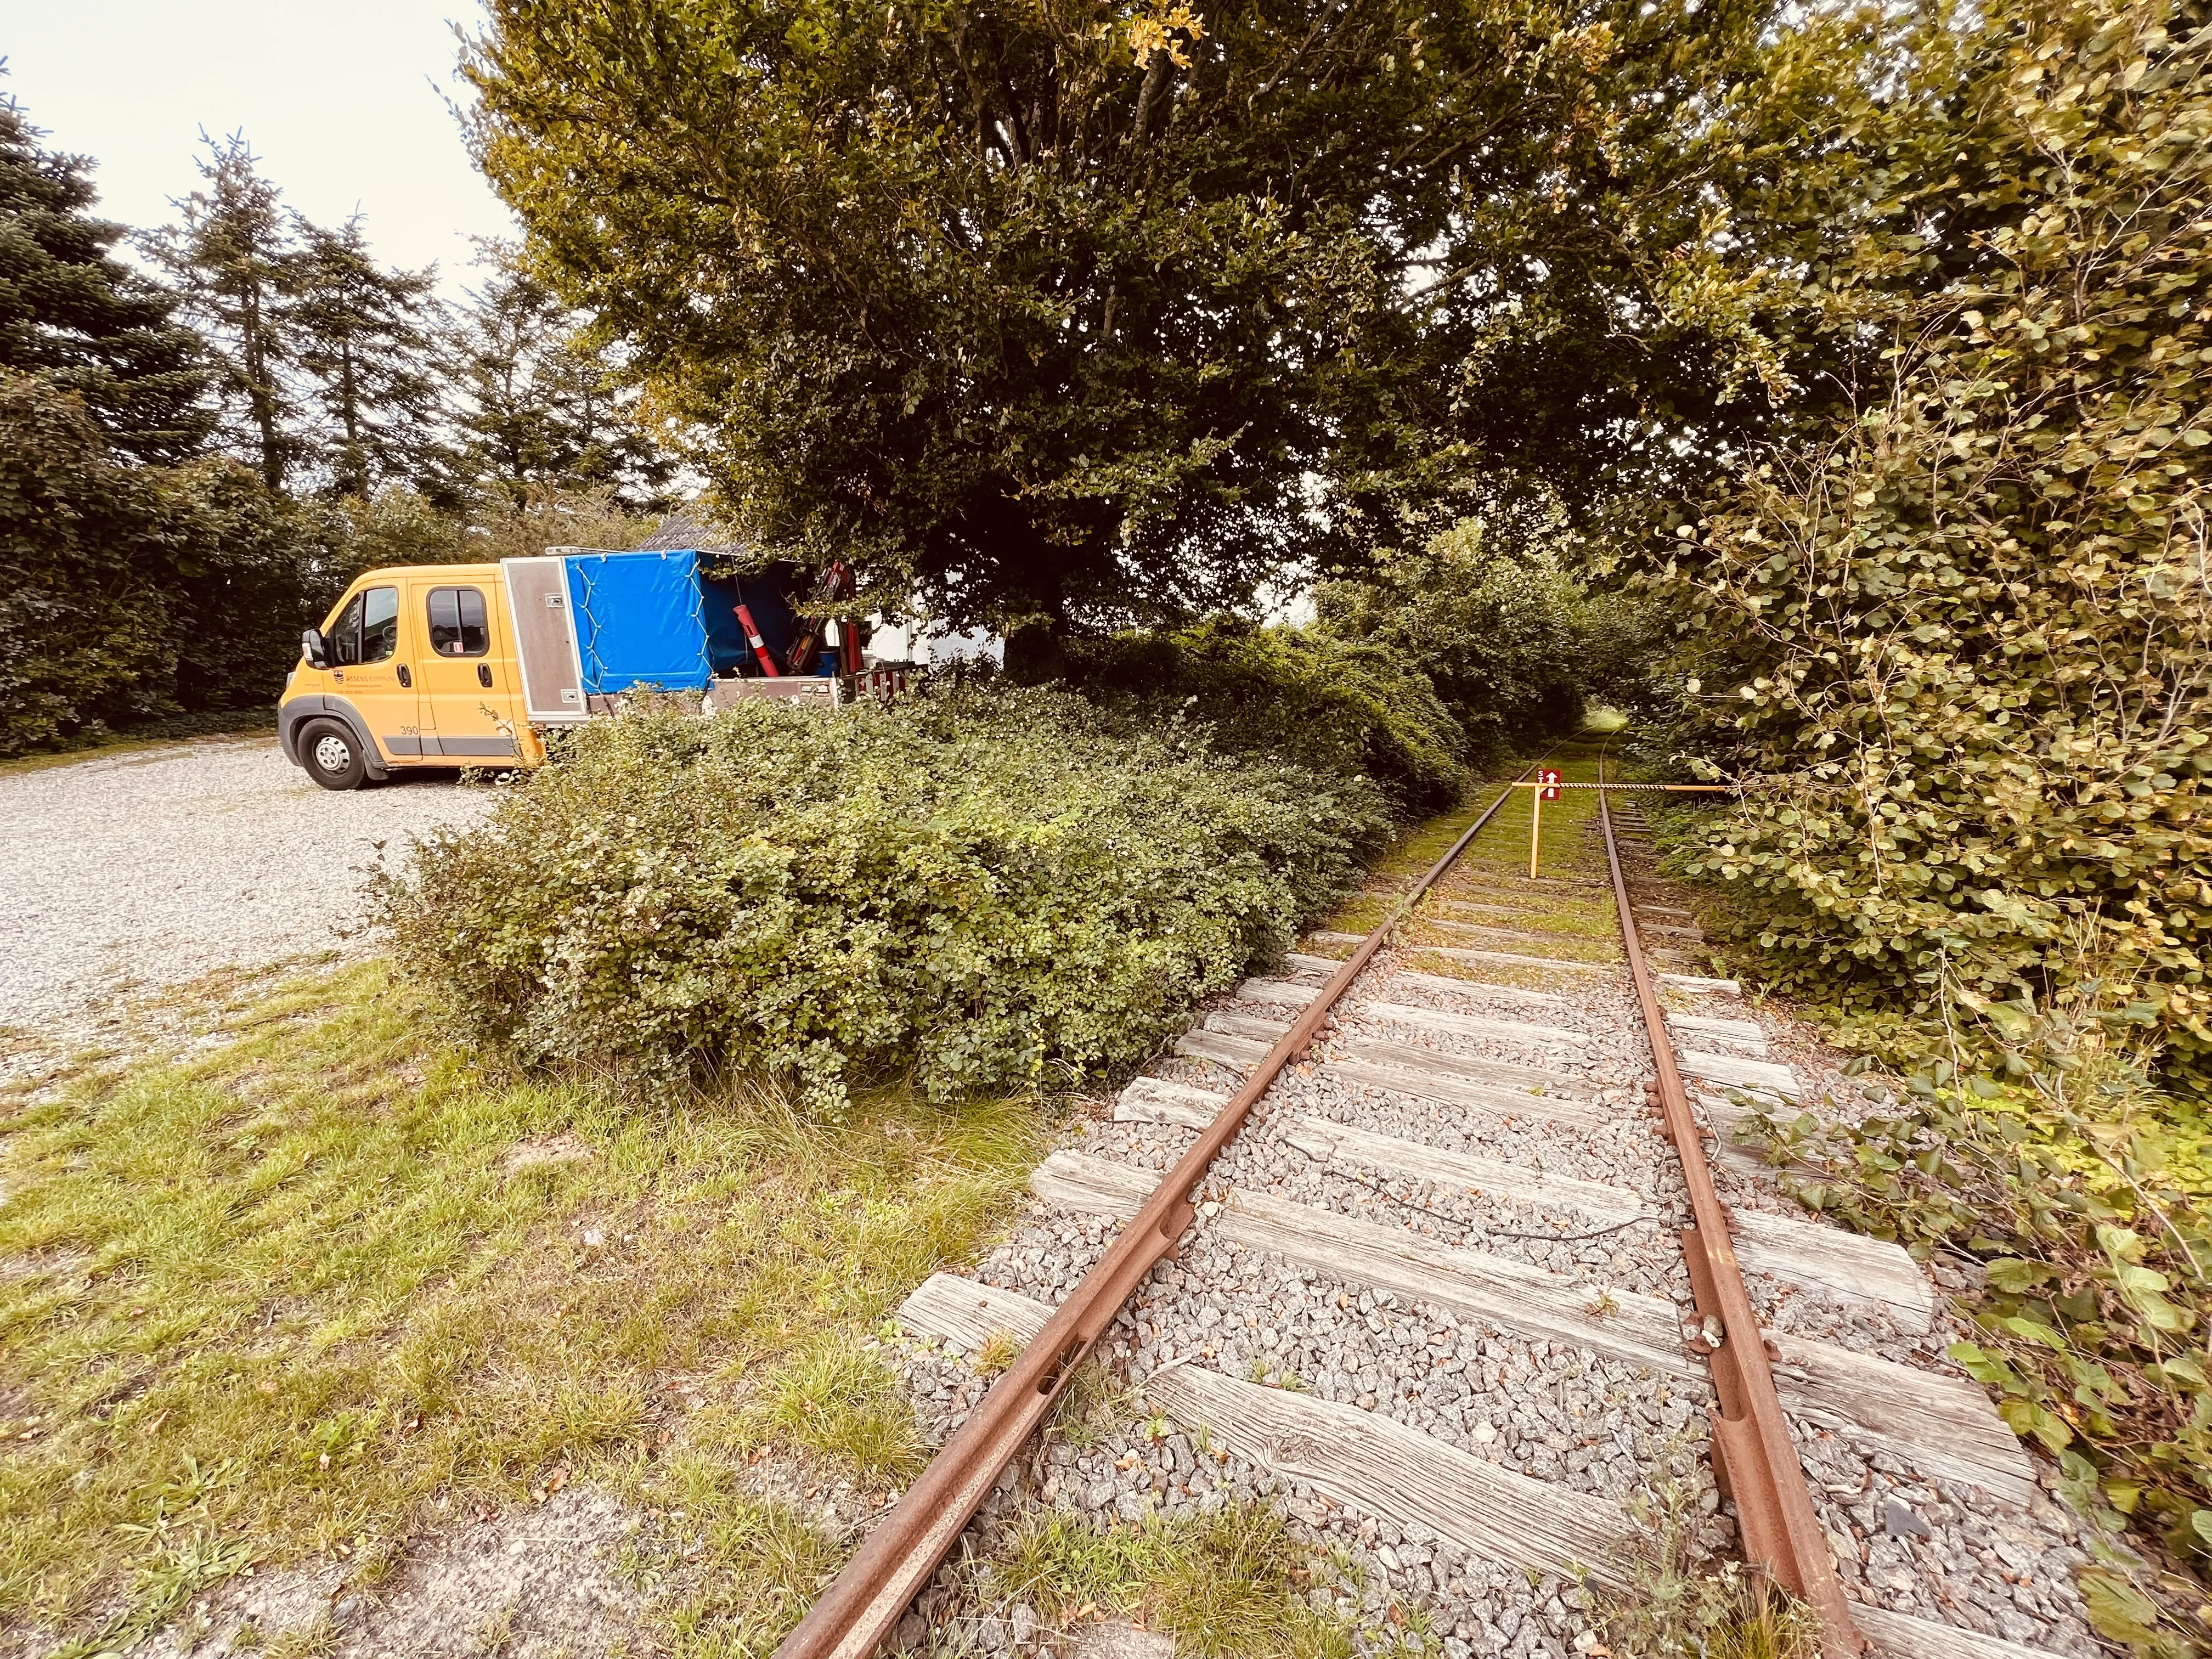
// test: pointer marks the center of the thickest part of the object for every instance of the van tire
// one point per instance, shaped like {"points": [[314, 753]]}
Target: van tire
{"points": [[332, 754]]}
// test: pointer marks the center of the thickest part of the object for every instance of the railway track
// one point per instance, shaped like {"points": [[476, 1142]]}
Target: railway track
{"points": [[1434, 1237]]}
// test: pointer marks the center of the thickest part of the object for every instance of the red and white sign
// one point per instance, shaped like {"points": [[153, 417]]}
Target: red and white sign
{"points": [[1550, 780]]}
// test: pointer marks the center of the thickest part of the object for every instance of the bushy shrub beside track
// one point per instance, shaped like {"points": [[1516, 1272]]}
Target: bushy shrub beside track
{"points": [[985, 888], [2036, 1149], [1337, 706], [1955, 623], [1490, 617], [1959, 623]]}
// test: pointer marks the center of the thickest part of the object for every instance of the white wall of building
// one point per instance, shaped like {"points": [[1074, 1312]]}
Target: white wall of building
{"points": [[917, 642]]}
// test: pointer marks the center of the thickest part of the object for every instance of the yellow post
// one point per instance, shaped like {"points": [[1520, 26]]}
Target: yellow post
{"points": [[1535, 822]]}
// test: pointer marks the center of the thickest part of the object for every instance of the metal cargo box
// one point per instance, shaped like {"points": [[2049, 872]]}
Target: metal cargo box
{"points": [[545, 638]]}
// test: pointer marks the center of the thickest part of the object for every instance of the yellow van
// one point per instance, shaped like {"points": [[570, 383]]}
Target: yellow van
{"points": [[470, 665], [413, 668]]}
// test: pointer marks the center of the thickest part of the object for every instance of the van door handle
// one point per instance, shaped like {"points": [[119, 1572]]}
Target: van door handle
{"points": [[484, 674], [405, 679]]}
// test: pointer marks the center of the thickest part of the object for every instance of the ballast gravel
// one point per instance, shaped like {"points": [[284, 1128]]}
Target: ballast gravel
{"points": [[138, 871], [1942, 1551]]}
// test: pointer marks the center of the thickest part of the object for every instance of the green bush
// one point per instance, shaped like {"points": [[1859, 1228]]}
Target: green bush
{"points": [[131, 592], [2031, 1141], [1341, 709], [1958, 624], [1502, 633], [240, 587], [989, 889], [86, 542], [401, 526]]}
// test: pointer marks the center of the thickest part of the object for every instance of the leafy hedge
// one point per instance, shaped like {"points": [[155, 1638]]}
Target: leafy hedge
{"points": [[987, 889], [127, 592], [1963, 619], [82, 632], [1340, 707], [1954, 622], [131, 593]]}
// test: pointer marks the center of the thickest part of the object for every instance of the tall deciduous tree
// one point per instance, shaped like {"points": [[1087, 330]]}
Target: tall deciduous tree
{"points": [[1060, 309], [71, 312], [1488, 610], [544, 406]]}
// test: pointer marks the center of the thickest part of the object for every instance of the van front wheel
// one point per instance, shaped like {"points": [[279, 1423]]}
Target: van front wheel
{"points": [[331, 755]]}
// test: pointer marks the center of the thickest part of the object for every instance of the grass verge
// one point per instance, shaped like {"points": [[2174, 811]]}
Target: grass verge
{"points": [[1570, 917], [339, 1280]]}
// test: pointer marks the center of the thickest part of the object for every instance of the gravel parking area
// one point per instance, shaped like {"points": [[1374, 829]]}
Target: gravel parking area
{"points": [[153, 867]]}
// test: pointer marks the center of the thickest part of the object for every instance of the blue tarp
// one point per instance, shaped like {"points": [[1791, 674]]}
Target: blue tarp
{"points": [[638, 621]]}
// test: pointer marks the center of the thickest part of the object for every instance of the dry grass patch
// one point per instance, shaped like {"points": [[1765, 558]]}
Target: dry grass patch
{"points": [[1407, 861], [1577, 923], [1675, 1598]]}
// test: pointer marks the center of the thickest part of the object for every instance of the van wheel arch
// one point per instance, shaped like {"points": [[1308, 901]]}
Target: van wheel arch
{"points": [[297, 715]]}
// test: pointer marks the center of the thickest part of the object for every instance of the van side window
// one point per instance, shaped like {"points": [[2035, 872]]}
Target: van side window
{"points": [[456, 622], [367, 629]]}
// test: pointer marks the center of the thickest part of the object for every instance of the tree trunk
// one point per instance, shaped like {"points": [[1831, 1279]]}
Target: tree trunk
{"points": [[356, 481], [1036, 653], [260, 397]]}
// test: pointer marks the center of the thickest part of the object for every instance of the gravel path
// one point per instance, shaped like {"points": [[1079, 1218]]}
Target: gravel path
{"points": [[152, 868]]}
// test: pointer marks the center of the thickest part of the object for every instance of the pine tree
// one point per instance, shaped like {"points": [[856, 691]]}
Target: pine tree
{"points": [[545, 405], [84, 320], [233, 262], [366, 337]]}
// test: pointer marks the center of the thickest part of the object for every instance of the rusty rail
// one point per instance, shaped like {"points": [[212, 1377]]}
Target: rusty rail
{"points": [[1754, 1457], [864, 1602]]}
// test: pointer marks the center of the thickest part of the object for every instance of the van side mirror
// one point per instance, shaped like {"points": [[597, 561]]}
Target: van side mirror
{"points": [[313, 648]]}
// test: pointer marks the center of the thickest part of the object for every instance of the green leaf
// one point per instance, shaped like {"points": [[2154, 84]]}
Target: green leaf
{"points": [[2027, 1420], [1981, 1365], [2016, 1277], [2121, 1243], [2117, 1610], [2033, 1331]]}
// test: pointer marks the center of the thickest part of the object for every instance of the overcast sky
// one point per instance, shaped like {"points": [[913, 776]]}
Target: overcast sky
{"points": [[341, 99]]}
